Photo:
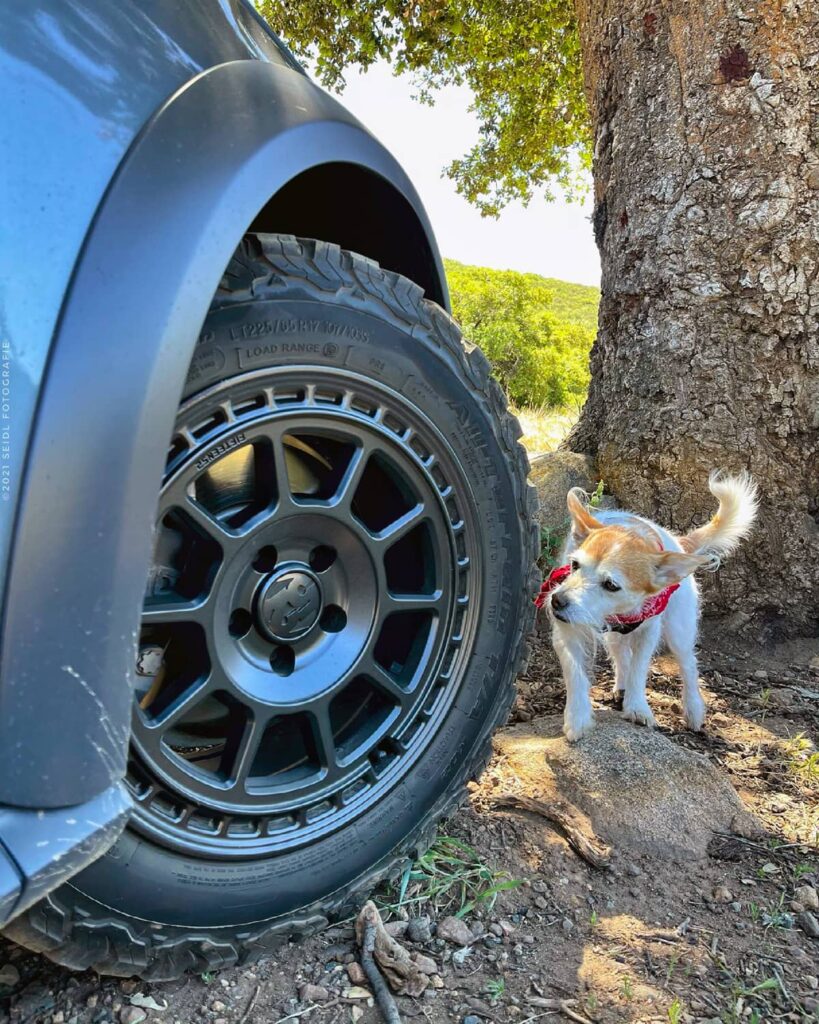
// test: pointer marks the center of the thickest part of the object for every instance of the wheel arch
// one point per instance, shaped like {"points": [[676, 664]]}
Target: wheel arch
{"points": [[235, 147]]}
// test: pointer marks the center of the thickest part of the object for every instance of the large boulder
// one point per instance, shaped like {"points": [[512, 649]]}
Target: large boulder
{"points": [[553, 475], [635, 789]]}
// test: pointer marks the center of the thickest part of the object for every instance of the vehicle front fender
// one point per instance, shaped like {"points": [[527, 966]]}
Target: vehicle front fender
{"points": [[196, 177]]}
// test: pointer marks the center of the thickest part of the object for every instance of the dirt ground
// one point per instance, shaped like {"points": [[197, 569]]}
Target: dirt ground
{"points": [[720, 940]]}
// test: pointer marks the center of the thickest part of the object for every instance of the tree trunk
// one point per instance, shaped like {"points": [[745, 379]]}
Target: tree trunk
{"points": [[706, 178]]}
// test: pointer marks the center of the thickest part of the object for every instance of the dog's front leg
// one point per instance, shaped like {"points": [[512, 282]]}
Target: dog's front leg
{"points": [[573, 652], [643, 643]]}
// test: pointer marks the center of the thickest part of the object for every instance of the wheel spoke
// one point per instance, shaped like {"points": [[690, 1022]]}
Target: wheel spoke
{"points": [[324, 740], [247, 745], [383, 680], [400, 527], [413, 602], [206, 523], [286, 501], [348, 486], [188, 699], [167, 612]]}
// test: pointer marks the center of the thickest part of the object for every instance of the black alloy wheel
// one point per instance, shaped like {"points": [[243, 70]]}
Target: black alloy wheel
{"points": [[334, 619]]}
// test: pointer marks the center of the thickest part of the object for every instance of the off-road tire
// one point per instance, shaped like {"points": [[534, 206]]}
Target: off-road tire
{"points": [[286, 276]]}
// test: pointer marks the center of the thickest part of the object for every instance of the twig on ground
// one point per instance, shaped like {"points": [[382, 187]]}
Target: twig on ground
{"points": [[250, 1005], [370, 919], [308, 1009], [560, 1006], [598, 856]]}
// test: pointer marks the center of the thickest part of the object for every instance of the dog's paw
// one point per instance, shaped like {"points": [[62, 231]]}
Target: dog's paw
{"points": [[640, 714], [694, 713], [577, 727]]}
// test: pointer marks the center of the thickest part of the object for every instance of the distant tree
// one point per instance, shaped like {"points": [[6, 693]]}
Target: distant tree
{"points": [[702, 118], [539, 357]]}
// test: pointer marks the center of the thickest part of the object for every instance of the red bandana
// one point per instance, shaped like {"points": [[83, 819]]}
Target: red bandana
{"points": [[653, 606]]}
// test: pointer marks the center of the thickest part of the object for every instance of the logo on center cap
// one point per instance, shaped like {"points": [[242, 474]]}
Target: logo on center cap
{"points": [[290, 605]]}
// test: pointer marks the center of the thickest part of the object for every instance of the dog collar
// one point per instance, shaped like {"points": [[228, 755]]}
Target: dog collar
{"points": [[615, 623]]}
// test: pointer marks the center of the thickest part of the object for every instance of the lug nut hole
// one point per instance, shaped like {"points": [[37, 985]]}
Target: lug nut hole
{"points": [[322, 557], [333, 619], [240, 622], [283, 660], [266, 559]]}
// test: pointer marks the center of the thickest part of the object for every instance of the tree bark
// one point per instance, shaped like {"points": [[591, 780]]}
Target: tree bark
{"points": [[706, 180]]}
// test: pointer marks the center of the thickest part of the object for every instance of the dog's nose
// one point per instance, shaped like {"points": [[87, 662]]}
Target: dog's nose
{"points": [[559, 602]]}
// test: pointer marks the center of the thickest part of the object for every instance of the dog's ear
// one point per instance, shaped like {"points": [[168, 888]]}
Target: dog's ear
{"points": [[583, 522], [672, 566]]}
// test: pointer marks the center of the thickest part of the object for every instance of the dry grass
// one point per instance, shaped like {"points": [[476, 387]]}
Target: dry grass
{"points": [[544, 428]]}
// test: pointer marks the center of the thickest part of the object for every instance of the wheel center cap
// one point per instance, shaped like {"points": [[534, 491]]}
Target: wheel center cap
{"points": [[289, 605]]}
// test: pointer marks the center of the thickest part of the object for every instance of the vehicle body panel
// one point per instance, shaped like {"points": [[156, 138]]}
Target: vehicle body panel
{"points": [[115, 251]]}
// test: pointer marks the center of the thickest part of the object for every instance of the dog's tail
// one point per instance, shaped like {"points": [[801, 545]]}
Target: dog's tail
{"points": [[738, 504]]}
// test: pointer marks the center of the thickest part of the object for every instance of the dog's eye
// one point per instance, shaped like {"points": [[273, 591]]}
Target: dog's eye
{"points": [[610, 585], [575, 565]]}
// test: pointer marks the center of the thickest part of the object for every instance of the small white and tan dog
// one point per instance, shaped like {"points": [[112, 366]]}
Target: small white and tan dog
{"points": [[629, 582]]}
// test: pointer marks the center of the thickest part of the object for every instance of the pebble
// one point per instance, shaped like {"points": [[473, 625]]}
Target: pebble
{"points": [[807, 896], [490, 941], [218, 1006], [566, 925], [808, 923], [419, 929], [220, 1020], [811, 981], [470, 1018], [453, 930], [541, 903], [634, 870], [355, 972], [132, 1015], [496, 930], [736, 906], [313, 993], [128, 985], [397, 929], [9, 975], [722, 894]]}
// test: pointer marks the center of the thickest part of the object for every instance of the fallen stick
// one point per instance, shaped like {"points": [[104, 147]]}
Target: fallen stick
{"points": [[370, 918], [559, 1006], [598, 856], [308, 1009], [250, 1005]]}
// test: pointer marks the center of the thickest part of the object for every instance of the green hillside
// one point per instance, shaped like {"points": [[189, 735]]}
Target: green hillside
{"points": [[536, 331]]}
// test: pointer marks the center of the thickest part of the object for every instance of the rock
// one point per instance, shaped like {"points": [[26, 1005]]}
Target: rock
{"points": [[419, 929], [470, 1018], [356, 1013], [355, 972], [567, 925], [736, 906], [437, 980], [218, 1006], [808, 923], [313, 993], [807, 896], [129, 986], [9, 975], [554, 474], [398, 929], [132, 1015], [33, 1002], [722, 894], [811, 981], [632, 787], [357, 992], [425, 964], [453, 930]]}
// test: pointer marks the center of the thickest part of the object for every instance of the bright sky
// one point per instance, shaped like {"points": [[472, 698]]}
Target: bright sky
{"points": [[553, 239]]}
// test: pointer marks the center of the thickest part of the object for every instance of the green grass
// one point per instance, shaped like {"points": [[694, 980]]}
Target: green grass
{"points": [[453, 879]]}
